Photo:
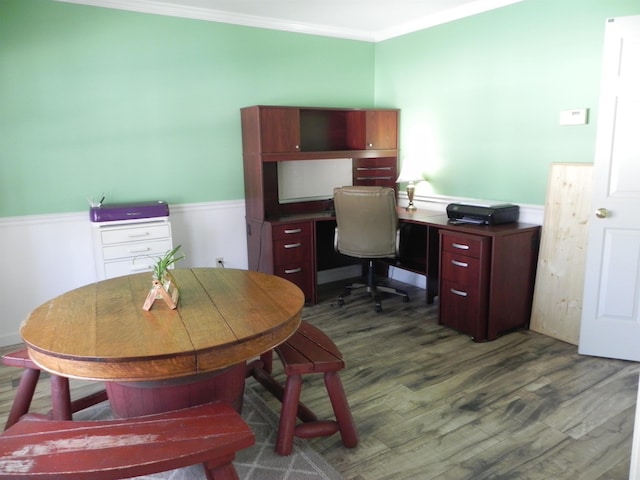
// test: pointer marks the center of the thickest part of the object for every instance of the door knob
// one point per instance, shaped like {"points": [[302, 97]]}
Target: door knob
{"points": [[602, 213]]}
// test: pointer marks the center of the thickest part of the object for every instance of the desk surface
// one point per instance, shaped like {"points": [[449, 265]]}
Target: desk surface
{"points": [[428, 218], [101, 332], [441, 221]]}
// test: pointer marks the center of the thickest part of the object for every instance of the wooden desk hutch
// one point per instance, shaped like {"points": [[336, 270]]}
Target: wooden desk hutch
{"points": [[281, 237], [483, 275]]}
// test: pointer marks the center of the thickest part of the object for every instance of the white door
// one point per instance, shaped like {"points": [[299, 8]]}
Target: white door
{"points": [[610, 325]]}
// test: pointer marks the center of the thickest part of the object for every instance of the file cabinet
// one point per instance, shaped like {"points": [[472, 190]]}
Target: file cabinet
{"points": [[129, 247], [486, 280]]}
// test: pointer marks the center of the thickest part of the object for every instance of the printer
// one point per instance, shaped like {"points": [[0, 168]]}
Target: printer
{"points": [[483, 214], [115, 212]]}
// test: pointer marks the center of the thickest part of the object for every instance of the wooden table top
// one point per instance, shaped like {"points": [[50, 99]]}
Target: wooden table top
{"points": [[224, 317]]}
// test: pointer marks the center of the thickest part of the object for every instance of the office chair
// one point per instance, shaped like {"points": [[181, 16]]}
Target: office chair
{"points": [[367, 228]]}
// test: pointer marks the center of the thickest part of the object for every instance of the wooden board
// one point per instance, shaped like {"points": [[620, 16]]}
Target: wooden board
{"points": [[557, 300]]}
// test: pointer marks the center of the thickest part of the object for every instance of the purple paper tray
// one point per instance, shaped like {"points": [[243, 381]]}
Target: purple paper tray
{"points": [[112, 212]]}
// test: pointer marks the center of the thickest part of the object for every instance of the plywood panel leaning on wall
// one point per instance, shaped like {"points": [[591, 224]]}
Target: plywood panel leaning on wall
{"points": [[557, 299]]}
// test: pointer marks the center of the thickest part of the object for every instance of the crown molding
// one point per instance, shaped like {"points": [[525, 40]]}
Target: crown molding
{"points": [[196, 13], [446, 16]]}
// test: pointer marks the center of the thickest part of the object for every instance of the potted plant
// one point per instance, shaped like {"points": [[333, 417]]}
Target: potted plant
{"points": [[161, 267], [164, 285]]}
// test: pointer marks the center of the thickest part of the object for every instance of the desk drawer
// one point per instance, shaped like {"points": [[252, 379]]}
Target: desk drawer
{"points": [[461, 269], [300, 274], [376, 171], [472, 245], [295, 250], [135, 234], [463, 308], [292, 232]]}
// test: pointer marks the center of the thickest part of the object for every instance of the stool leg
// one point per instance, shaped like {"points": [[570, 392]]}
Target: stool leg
{"points": [[341, 409], [60, 398], [24, 395], [286, 429]]}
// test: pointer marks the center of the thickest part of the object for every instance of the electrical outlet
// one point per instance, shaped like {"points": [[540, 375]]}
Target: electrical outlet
{"points": [[220, 262]]}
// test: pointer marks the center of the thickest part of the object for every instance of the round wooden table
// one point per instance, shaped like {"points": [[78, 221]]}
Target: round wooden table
{"points": [[165, 359]]}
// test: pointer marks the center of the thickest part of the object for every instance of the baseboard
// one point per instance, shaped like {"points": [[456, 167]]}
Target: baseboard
{"points": [[340, 273]]}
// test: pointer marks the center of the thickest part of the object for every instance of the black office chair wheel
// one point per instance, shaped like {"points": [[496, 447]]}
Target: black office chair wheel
{"points": [[378, 302], [340, 302]]}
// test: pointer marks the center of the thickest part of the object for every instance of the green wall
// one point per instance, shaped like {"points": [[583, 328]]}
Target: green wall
{"points": [[480, 97], [139, 106]]}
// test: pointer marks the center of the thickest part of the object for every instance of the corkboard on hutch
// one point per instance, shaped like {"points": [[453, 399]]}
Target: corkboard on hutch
{"points": [[557, 299]]}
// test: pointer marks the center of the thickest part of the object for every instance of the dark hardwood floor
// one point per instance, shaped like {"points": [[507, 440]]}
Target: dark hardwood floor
{"points": [[431, 404]]}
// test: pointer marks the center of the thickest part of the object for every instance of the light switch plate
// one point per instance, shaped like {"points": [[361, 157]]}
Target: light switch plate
{"points": [[574, 117]]}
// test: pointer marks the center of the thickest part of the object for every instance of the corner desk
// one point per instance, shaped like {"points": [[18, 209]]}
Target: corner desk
{"points": [[482, 275]]}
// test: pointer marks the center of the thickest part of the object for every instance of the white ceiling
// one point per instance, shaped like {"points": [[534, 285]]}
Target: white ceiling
{"points": [[369, 20]]}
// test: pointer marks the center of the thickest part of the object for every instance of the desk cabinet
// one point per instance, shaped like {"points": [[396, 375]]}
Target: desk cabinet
{"points": [[486, 281], [293, 254]]}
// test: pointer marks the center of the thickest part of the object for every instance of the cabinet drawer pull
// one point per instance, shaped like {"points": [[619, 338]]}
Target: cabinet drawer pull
{"points": [[460, 293], [139, 250], [292, 245], [460, 246], [293, 230], [293, 270], [140, 268], [459, 264], [137, 235]]}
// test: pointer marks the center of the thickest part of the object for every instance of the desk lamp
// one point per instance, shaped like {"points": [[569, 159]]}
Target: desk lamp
{"points": [[410, 173]]}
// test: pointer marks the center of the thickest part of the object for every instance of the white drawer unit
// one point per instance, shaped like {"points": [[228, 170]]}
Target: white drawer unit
{"points": [[130, 247]]}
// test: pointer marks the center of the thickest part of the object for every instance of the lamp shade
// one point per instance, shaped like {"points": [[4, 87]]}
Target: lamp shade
{"points": [[410, 172]]}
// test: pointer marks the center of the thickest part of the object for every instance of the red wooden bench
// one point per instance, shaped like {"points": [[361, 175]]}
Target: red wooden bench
{"points": [[62, 405], [37, 447], [307, 351]]}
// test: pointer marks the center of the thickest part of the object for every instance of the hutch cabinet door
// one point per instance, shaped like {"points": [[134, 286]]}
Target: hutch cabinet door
{"points": [[381, 129], [279, 129]]}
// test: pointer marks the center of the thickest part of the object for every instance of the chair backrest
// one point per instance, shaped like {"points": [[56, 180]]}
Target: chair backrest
{"points": [[367, 221]]}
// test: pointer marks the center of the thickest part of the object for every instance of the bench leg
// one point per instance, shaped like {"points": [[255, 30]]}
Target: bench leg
{"points": [[341, 409], [24, 395], [60, 398], [277, 390], [265, 363], [286, 429], [221, 468]]}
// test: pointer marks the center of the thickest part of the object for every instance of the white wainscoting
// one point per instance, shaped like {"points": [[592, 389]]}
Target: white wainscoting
{"points": [[46, 255]]}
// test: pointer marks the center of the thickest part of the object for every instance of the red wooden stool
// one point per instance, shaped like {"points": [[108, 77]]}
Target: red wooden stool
{"points": [[62, 406], [307, 351], [211, 434]]}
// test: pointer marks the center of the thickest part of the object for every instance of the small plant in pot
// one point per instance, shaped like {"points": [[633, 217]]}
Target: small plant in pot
{"points": [[161, 267], [164, 285]]}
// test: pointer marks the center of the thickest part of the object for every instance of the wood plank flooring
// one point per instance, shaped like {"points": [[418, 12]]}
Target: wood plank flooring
{"points": [[431, 404]]}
